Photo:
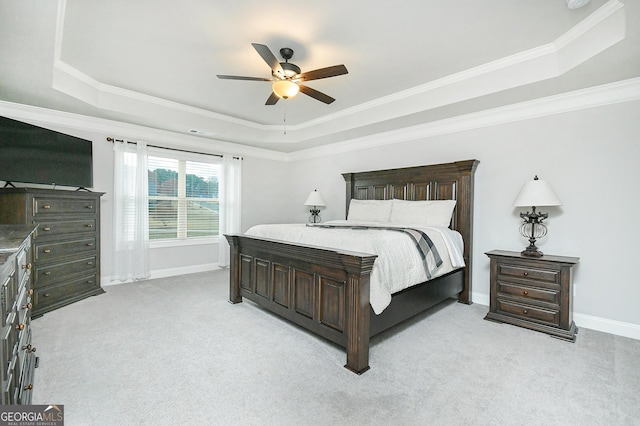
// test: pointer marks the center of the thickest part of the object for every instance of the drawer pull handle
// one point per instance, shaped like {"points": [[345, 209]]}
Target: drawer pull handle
{"points": [[47, 251], [46, 295], [89, 263], [47, 229], [30, 291], [89, 225], [525, 292], [525, 312], [47, 273], [27, 266], [89, 281], [89, 244], [46, 206], [27, 306], [28, 387], [20, 326], [90, 206], [526, 274]]}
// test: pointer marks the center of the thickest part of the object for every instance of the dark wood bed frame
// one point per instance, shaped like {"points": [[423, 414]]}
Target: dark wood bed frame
{"points": [[326, 291]]}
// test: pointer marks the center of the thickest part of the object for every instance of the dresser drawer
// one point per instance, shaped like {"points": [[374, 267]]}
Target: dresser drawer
{"points": [[43, 206], [8, 350], [46, 251], [528, 312], [46, 275], [54, 229], [25, 386], [530, 273], [8, 293], [529, 293], [23, 265], [23, 306], [9, 337], [46, 297], [7, 391]]}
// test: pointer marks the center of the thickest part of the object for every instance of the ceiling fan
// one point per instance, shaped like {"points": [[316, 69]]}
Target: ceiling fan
{"points": [[287, 77]]}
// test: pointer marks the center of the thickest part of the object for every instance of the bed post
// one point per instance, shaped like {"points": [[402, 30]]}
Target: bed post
{"points": [[358, 311], [348, 178], [234, 269], [464, 219]]}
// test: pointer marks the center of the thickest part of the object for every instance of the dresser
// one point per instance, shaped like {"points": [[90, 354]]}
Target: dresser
{"points": [[18, 353], [535, 293], [66, 243]]}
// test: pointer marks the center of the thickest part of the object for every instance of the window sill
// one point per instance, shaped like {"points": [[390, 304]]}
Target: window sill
{"points": [[183, 242]]}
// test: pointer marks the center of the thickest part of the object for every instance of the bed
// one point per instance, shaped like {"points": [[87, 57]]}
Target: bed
{"points": [[327, 291]]}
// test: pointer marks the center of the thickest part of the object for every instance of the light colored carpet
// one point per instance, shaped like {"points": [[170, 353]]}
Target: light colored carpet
{"points": [[173, 351]]}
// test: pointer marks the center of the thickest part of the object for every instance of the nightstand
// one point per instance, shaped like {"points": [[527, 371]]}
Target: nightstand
{"points": [[534, 293]]}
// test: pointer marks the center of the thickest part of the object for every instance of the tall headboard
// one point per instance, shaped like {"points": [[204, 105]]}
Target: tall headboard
{"points": [[448, 181]]}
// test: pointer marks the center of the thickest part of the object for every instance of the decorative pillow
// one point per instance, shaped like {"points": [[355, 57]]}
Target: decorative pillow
{"points": [[369, 210], [429, 213]]}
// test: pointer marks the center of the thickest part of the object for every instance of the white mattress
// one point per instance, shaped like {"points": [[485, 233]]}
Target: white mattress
{"points": [[398, 265]]}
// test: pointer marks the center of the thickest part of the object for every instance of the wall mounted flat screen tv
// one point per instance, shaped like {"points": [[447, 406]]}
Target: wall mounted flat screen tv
{"points": [[32, 154]]}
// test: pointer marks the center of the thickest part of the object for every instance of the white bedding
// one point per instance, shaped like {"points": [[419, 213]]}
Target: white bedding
{"points": [[398, 265]]}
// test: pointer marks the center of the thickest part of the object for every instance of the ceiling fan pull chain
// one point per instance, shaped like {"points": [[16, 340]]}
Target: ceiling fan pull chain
{"points": [[284, 121]]}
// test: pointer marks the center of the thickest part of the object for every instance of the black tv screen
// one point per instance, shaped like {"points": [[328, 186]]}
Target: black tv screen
{"points": [[33, 154]]}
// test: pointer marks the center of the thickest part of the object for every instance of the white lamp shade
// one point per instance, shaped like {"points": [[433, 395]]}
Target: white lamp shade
{"points": [[314, 199], [285, 88], [536, 193]]}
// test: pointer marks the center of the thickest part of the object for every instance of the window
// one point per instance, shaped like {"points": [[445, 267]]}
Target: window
{"points": [[183, 197]]}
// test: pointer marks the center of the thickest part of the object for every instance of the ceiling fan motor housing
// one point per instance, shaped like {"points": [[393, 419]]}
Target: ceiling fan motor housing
{"points": [[290, 70]]}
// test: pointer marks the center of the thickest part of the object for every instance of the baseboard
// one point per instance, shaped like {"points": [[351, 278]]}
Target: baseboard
{"points": [[164, 273], [480, 298], [619, 328]]}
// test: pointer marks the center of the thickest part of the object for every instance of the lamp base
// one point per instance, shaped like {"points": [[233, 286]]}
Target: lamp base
{"points": [[531, 252]]}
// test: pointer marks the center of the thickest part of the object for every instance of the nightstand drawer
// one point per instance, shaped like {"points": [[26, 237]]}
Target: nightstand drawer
{"points": [[526, 292], [543, 275], [548, 316]]}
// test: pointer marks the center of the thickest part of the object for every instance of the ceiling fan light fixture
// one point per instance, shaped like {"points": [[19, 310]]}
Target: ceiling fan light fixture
{"points": [[285, 89]]}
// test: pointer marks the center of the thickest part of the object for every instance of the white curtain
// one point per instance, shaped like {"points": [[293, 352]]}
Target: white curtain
{"points": [[130, 215], [230, 204]]}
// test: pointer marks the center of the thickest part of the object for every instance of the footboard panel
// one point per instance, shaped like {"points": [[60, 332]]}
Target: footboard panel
{"points": [[325, 291]]}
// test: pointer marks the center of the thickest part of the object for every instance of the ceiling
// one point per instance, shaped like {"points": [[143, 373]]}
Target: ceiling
{"points": [[154, 63]]}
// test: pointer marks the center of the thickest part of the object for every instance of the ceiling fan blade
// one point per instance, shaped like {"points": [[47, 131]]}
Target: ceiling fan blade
{"points": [[323, 73], [272, 99], [315, 94], [238, 77], [269, 58]]}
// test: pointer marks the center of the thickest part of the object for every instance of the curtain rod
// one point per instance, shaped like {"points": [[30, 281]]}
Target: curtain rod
{"points": [[110, 139]]}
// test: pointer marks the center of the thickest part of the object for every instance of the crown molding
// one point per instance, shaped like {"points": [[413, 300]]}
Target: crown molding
{"points": [[44, 117], [621, 91], [612, 93], [600, 30]]}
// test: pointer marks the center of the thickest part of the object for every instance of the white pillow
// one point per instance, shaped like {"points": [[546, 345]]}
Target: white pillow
{"points": [[429, 213], [369, 210]]}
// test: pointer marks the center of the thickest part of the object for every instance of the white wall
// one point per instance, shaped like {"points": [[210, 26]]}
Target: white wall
{"points": [[590, 157]]}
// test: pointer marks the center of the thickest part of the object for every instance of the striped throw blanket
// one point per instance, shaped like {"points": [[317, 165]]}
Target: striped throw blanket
{"points": [[431, 259]]}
